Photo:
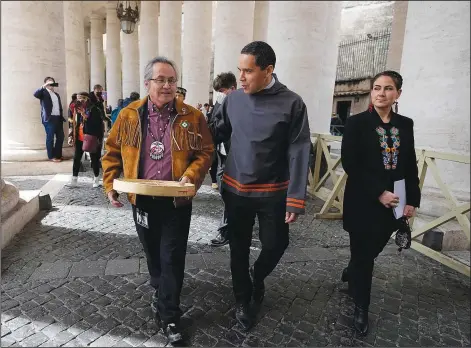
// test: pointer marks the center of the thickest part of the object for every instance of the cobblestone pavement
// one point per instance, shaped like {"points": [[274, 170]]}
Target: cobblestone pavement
{"points": [[76, 277]]}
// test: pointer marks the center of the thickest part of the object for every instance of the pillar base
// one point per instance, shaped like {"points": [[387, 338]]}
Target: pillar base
{"points": [[32, 155], [10, 197]]}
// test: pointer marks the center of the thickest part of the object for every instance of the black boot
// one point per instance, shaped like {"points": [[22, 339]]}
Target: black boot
{"points": [[221, 239], [242, 315], [345, 275], [360, 320]]}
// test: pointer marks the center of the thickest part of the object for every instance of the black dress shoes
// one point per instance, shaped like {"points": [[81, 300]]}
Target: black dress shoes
{"points": [[221, 239], [173, 333], [242, 315], [360, 320]]}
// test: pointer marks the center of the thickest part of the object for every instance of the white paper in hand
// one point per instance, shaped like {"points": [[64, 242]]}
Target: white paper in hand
{"points": [[400, 191]]}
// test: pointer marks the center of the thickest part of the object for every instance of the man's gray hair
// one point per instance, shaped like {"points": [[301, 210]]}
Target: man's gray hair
{"points": [[148, 71]]}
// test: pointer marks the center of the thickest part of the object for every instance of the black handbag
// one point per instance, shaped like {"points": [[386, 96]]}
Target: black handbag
{"points": [[404, 234]]}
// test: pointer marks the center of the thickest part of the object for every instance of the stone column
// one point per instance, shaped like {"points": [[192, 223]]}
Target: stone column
{"points": [[170, 31], [31, 51], [148, 37], [196, 51], [397, 35], [260, 23], [298, 32], [75, 56], [130, 62], [87, 52], [97, 56], [325, 83], [234, 30], [436, 82], [114, 87]]}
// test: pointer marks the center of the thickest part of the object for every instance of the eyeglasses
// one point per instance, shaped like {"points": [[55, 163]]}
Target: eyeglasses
{"points": [[161, 81]]}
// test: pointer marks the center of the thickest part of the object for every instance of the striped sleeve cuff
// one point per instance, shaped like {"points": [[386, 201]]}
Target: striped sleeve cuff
{"points": [[294, 205]]}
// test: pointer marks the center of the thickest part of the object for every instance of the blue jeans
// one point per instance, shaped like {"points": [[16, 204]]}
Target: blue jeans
{"points": [[53, 129]]}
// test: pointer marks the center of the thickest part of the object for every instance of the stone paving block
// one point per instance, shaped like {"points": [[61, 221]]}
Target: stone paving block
{"points": [[121, 267], [88, 268], [16, 323], [35, 340], [104, 341], [143, 266], [49, 270], [7, 341], [216, 260], [316, 253], [194, 261], [294, 254], [23, 332]]}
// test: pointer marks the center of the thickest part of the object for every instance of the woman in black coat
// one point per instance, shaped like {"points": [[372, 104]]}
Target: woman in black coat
{"points": [[86, 120], [377, 150]]}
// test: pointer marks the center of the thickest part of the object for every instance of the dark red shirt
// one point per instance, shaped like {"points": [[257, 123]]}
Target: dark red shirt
{"points": [[158, 169]]}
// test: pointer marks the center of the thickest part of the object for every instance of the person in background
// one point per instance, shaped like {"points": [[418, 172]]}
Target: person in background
{"points": [[265, 174], [72, 106], [52, 118], [122, 104], [181, 93], [95, 97], [224, 84], [160, 138], [377, 150], [85, 120], [132, 97], [72, 109], [115, 112], [206, 110]]}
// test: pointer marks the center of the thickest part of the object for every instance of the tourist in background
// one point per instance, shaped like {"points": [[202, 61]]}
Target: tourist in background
{"points": [[377, 150], [224, 84], [181, 93], [52, 118], [86, 120], [71, 107]]}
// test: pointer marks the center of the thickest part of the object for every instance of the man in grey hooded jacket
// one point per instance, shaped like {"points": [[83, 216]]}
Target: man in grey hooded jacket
{"points": [[266, 170]]}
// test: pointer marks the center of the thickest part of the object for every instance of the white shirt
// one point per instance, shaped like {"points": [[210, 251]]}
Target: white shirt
{"points": [[55, 104], [270, 85]]}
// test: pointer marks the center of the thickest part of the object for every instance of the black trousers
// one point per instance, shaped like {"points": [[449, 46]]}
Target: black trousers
{"points": [[364, 248], [164, 242], [274, 236], [94, 158], [221, 165], [214, 169]]}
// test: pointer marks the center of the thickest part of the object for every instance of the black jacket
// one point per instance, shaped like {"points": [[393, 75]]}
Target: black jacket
{"points": [[93, 125], [46, 104], [227, 143], [362, 160]]}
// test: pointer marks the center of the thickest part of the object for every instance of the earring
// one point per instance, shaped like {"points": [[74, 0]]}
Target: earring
{"points": [[396, 108], [370, 107]]}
